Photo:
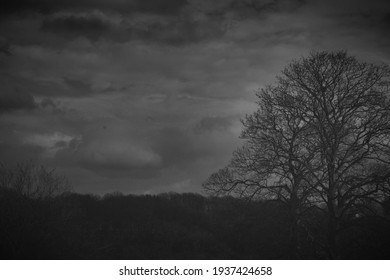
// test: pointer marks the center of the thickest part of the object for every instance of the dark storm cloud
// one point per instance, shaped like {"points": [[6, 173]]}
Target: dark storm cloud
{"points": [[385, 23], [5, 47], [158, 6], [348, 20], [212, 123], [72, 25], [177, 31], [349, 6], [12, 146], [256, 7], [175, 146], [123, 6], [174, 22], [182, 147], [386, 19], [48, 105], [166, 30], [147, 95], [12, 151], [118, 169], [164, 7], [205, 20], [12, 98], [78, 87], [110, 158]]}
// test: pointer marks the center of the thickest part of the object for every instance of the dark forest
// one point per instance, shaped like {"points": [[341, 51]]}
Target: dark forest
{"points": [[173, 226]]}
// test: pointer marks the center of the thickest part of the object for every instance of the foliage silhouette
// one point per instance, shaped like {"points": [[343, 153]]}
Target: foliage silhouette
{"points": [[319, 140], [166, 226]]}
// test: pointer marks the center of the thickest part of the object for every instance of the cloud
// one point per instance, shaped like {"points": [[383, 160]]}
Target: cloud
{"points": [[50, 142], [91, 25], [210, 124], [13, 152], [386, 19], [94, 25], [240, 9], [109, 148], [147, 94], [157, 6], [5, 47], [115, 157], [125, 6], [14, 98], [175, 146], [174, 22], [201, 20], [348, 7], [77, 87], [120, 154], [176, 31]]}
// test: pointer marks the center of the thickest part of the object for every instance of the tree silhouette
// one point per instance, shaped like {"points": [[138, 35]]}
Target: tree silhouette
{"points": [[29, 214], [33, 181], [320, 139]]}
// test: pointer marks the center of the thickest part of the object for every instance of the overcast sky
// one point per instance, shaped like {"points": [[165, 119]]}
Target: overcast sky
{"points": [[146, 96]]}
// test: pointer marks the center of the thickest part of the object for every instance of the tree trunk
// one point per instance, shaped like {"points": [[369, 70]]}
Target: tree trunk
{"points": [[332, 227], [294, 242], [294, 218], [331, 238]]}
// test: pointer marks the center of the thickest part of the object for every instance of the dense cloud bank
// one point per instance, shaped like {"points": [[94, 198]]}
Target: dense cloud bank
{"points": [[150, 94]]}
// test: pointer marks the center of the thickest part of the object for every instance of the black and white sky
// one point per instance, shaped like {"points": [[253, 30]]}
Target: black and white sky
{"points": [[146, 96]]}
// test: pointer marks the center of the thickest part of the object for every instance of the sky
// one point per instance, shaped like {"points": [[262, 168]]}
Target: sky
{"points": [[146, 96]]}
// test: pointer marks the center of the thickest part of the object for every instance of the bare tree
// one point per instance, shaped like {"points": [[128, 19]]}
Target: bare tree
{"points": [[33, 181], [270, 164], [321, 136]]}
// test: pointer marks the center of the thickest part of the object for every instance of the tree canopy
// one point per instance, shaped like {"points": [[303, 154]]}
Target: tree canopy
{"points": [[319, 139]]}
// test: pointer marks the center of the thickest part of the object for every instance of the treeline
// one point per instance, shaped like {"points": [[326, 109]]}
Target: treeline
{"points": [[172, 226]]}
